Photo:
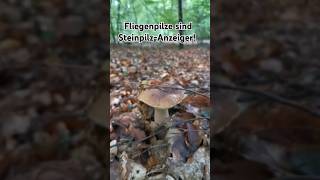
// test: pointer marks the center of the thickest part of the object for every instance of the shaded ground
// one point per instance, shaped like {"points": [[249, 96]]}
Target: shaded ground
{"points": [[269, 47], [182, 151], [51, 59]]}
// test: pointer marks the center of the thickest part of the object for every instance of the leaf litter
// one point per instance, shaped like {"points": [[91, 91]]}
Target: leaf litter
{"points": [[146, 150], [51, 64], [265, 92]]}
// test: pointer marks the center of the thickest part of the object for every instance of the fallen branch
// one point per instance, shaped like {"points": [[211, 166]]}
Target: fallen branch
{"points": [[270, 96]]}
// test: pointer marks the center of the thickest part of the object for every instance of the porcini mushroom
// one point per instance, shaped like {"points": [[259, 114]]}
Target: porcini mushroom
{"points": [[161, 99]]}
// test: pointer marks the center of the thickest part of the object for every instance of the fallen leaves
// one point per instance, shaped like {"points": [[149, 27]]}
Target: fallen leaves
{"points": [[281, 138], [50, 67], [97, 111], [126, 130], [197, 101], [152, 162], [240, 169], [70, 170], [255, 138], [178, 148], [198, 168], [193, 138], [136, 133], [9, 45], [138, 136], [131, 169], [226, 110]]}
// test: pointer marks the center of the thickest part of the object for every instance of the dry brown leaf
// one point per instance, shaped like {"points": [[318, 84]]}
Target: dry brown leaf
{"points": [[152, 161], [241, 170], [52, 170], [197, 101], [130, 169], [225, 110], [183, 116], [136, 133], [179, 149], [115, 170], [146, 111], [192, 137], [265, 116], [125, 62], [97, 110], [280, 137]]}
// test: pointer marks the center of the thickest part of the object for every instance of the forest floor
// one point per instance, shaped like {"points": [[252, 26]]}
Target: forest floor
{"points": [[266, 90], [183, 149], [52, 56]]}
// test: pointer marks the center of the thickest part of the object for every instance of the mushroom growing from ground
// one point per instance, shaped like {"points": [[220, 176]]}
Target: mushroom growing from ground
{"points": [[161, 99]]}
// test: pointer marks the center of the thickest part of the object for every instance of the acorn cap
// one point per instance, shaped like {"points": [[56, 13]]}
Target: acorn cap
{"points": [[164, 98]]}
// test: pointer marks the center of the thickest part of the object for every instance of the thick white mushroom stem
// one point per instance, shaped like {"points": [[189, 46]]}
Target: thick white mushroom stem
{"points": [[160, 115]]}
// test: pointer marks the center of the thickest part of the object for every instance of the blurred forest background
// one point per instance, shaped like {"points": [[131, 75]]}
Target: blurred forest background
{"points": [[156, 11], [53, 57], [266, 84]]}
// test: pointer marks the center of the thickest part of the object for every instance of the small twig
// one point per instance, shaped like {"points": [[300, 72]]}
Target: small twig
{"points": [[190, 130], [193, 119], [176, 88], [147, 137], [273, 97], [119, 124], [141, 140], [149, 148]]}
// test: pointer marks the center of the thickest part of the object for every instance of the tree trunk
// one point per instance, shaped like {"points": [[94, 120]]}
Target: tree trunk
{"points": [[180, 20], [113, 33], [118, 17]]}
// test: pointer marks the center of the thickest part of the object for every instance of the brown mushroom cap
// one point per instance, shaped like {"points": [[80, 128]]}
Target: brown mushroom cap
{"points": [[162, 98]]}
